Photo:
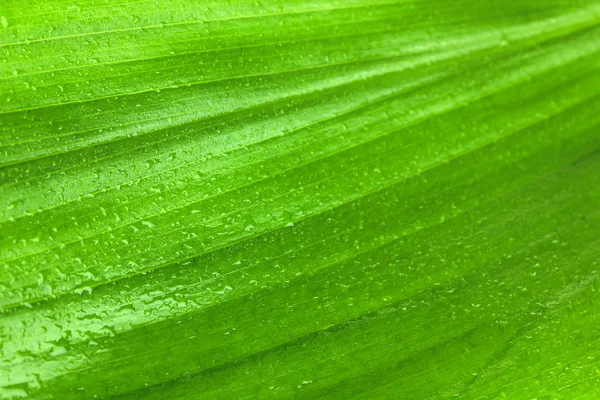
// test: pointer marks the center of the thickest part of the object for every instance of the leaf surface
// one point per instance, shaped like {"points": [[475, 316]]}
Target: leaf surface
{"points": [[300, 199]]}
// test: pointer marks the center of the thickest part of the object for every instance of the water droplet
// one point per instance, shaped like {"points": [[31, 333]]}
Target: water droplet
{"points": [[85, 289]]}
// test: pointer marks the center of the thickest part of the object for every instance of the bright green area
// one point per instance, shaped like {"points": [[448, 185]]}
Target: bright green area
{"points": [[317, 199]]}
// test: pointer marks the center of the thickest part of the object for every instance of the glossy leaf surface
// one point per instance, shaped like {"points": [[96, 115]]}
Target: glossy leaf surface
{"points": [[316, 199]]}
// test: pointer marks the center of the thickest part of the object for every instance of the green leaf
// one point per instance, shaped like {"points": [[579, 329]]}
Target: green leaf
{"points": [[318, 199]]}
